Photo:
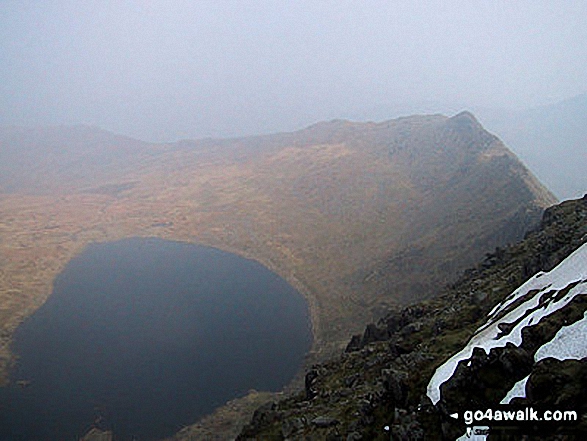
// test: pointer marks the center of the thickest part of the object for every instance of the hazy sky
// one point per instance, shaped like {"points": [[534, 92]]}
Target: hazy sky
{"points": [[163, 70]]}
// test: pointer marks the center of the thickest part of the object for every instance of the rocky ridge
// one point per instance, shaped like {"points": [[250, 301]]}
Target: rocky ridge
{"points": [[378, 387]]}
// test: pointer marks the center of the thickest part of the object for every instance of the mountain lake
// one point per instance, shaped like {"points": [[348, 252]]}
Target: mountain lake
{"points": [[143, 336]]}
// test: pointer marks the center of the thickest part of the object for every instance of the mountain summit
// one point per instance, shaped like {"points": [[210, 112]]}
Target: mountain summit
{"points": [[359, 217]]}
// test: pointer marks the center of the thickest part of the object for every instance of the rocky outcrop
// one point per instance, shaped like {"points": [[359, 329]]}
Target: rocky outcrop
{"points": [[377, 387]]}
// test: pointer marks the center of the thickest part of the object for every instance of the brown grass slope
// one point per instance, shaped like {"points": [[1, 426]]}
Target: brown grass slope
{"points": [[356, 216], [381, 379]]}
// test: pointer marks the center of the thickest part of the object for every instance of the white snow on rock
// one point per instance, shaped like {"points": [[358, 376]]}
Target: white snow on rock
{"points": [[518, 391], [568, 343], [530, 303]]}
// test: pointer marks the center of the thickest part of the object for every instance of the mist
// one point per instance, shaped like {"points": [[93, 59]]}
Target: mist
{"points": [[163, 71]]}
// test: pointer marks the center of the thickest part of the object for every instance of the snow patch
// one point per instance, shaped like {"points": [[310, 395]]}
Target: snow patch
{"points": [[518, 391], [537, 299], [569, 343]]}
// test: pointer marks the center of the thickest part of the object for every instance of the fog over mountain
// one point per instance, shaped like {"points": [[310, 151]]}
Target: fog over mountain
{"points": [[336, 143], [358, 217], [551, 140], [162, 71]]}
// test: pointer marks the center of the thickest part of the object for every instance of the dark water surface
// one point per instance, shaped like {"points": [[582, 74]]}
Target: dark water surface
{"points": [[143, 336]]}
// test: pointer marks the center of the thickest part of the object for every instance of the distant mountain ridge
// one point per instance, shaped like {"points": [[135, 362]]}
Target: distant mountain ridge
{"points": [[359, 217], [339, 208], [78, 155], [550, 139]]}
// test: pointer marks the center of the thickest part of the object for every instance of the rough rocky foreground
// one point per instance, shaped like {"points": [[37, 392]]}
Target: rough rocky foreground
{"points": [[377, 388]]}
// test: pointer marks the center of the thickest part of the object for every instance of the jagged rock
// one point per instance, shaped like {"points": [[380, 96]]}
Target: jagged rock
{"points": [[337, 395], [485, 378], [411, 329], [558, 383], [381, 379], [479, 297], [292, 426], [310, 380], [395, 385], [373, 334], [394, 349], [393, 321], [355, 344], [351, 380], [265, 415], [505, 328], [324, 421], [516, 361]]}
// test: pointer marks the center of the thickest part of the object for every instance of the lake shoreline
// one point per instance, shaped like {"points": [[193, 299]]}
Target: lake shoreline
{"points": [[241, 318]]}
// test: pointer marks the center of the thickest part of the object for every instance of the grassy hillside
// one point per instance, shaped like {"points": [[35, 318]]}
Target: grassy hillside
{"points": [[339, 209]]}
